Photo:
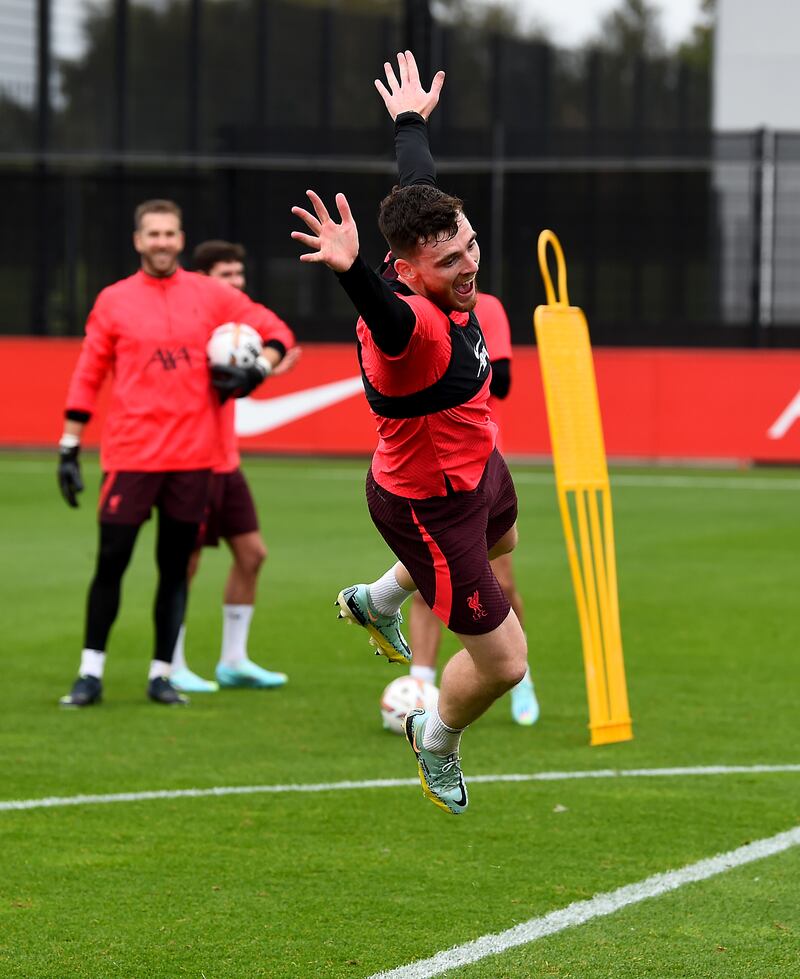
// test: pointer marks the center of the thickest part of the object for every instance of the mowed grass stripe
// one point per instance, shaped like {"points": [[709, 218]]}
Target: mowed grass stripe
{"points": [[54, 802], [580, 912], [328, 470]]}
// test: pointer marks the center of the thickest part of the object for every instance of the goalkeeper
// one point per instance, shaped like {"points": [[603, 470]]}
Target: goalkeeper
{"points": [[161, 436]]}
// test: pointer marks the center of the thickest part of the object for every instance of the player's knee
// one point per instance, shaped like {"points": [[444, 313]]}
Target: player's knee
{"points": [[516, 672], [515, 660], [504, 675], [251, 557], [506, 659], [113, 554]]}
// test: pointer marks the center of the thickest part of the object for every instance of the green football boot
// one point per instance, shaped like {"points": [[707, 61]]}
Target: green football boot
{"points": [[185, 681], [384, 630], [440, 775], [246, 673]]}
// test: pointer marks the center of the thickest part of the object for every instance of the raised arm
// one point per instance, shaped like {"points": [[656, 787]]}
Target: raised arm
{"points": [[390, 320], [410, 105]]}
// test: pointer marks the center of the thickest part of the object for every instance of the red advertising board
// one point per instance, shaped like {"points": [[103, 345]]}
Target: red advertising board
{"points": [[656, 404]]}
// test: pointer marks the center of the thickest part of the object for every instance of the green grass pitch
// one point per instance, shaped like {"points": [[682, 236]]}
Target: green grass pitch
{"points": [[351, 882]]}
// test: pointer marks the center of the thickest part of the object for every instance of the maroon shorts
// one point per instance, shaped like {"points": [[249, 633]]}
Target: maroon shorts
{"points": [[230, 511], [128, 497], [444, 543]]}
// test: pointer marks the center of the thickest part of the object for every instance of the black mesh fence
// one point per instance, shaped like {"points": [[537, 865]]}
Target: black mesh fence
{"points": [[673, 235]]}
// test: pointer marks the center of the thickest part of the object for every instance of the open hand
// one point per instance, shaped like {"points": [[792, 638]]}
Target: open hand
{"points": [[408, 95], [336, 245], [287, 362]]}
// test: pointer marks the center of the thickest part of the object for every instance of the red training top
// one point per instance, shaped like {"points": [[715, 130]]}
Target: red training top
{"points": [[416, 457], [152, 334]]}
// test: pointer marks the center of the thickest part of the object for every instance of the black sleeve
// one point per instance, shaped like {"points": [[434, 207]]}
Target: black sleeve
{"points": [[414, 161], [73, 415], [500, 383], [390, 320]]}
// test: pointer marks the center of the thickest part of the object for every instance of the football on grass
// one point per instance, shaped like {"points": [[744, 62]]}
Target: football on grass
{"points": [[402, 695], [234, 345]]}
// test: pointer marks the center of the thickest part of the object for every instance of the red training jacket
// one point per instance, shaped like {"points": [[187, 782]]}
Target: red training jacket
{"points": [[151, 333]]}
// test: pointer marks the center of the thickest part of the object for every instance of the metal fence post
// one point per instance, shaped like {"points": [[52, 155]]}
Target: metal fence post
{"points": [[194, 75], [761, 284], [766, 234], [40, 284], [417, 34], [498, 184]]}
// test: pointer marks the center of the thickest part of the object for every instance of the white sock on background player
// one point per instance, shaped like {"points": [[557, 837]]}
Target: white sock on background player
{"points": [[235, 630], [93, 662], [425, 673], [159, 668], [178, 655]]}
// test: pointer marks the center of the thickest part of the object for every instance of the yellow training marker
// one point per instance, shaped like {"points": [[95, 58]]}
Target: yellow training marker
{"points": [[584, 497]]}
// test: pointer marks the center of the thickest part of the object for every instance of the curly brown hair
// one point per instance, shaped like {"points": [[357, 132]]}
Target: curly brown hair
{"points": [[208, 253], [412, 216]]}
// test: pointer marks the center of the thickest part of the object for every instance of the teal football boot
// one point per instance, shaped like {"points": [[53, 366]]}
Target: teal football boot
{"points": [[248, 674], [187, 682], [440, 775], [384, 630]]}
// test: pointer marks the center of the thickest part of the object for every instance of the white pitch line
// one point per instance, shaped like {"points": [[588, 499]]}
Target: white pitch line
{"points": [[55, 802], [579, 912]]}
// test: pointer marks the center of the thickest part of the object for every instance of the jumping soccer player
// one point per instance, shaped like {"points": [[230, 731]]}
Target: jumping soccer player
{"points": [[232, 516], [438, 490], [160, 439]]}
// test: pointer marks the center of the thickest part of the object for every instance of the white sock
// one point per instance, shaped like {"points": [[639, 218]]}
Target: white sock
{"points": [[93, 663], [159, 668], [178, 656], [438, 737], [235, 630], [386, 595], [425, 673]]}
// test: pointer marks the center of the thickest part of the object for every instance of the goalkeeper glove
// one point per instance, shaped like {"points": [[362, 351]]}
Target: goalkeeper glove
{"points": [[69, 472], [238, 382]]}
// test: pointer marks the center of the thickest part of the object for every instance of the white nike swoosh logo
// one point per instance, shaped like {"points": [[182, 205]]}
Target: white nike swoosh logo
{"points": [[254, 416]]}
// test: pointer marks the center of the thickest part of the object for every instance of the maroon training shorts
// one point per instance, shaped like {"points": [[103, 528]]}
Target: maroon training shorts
{"points": [[128, 497], [444, 542], [230, 511]]}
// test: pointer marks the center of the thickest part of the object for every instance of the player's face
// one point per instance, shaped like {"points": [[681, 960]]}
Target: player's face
{"points": [[444, 271], [159, 241], [230, 272]]}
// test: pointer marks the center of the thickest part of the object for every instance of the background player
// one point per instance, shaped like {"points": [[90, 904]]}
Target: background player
{"points": [[160, 438], [424, 628], [232, 516]]}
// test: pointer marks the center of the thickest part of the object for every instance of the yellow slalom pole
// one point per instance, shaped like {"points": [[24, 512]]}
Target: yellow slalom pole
{"points": [[582, 484]]}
